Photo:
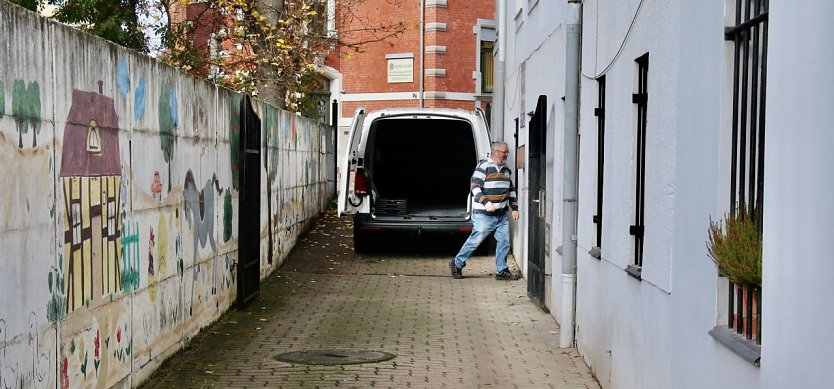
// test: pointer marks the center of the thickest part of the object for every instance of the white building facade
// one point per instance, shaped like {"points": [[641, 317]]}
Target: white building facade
{"points": [[664, 90]]}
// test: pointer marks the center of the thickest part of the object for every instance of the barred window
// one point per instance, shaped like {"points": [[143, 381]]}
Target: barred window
{"points": [[749, 39]]}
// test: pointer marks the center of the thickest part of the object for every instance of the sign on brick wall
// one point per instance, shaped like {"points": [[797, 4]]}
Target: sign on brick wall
{"points": [[400, 70]]}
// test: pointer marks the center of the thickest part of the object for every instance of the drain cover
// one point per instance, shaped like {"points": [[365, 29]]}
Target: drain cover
{"points": [[334, 357]]}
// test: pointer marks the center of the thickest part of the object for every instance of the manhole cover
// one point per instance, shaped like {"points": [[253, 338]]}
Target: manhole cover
{"points": [[334, 357]]}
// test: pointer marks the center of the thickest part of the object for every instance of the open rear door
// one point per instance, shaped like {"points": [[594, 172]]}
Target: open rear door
{"points": [[349, 163]]}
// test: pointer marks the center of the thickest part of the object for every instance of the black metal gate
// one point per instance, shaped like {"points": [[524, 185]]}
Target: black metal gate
{"points": [[536, 204], [249, 222]]}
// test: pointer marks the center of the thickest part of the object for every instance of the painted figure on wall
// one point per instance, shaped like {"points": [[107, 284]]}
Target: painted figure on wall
{"points": [[199, 210], [90, 178], [156, 186]]}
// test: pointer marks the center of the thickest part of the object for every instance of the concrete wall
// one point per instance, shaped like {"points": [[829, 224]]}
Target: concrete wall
{"points": [[535, 66], [654, 332], [798, 199], [119, 208]]}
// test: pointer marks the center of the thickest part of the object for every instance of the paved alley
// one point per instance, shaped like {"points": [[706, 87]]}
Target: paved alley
{"points": [[469, 333]]}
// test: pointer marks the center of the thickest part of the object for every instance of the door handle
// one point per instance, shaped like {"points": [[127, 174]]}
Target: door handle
{"points": [[540, 201]]}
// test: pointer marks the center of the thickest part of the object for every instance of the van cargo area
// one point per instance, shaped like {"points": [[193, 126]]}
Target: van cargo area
{"points": [[420, 167]]}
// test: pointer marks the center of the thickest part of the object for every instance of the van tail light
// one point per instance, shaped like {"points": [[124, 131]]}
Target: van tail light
{"points": [[360, 183]]}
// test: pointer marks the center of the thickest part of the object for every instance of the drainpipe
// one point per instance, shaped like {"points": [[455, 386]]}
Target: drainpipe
{"points": [[498, 73], [422, 48], [571, 173]]}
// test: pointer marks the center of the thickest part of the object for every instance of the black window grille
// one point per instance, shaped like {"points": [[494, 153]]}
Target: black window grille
{"points": [[749, 37], [641, 99], [599, 112]]}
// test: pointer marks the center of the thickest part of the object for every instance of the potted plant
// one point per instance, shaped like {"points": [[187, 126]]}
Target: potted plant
{"points": [[735, 245]]}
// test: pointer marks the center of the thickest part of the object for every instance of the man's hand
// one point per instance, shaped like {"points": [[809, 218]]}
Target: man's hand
{"points": [[515, 215], [489, 207]]}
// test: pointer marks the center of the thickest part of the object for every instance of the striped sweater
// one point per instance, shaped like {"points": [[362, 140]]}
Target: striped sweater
{"points": [[491, 184]]}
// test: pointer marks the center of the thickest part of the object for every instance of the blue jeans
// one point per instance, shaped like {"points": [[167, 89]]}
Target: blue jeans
{"points": [[482, 225]]}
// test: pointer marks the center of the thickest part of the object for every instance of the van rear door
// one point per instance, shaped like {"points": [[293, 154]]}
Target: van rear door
{"points": [[349, 163]]}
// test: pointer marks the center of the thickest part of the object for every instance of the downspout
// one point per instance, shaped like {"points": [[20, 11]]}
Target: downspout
{"points": [[497, 122], [422, 49], [571, 173]]}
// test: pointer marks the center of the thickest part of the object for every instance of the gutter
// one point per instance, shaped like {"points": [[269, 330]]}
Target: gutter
{"points": [[571, 173], [422, 48]]}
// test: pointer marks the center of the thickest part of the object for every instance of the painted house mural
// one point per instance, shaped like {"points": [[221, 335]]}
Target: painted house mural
{"points": [[120, 238], [90, 179]]}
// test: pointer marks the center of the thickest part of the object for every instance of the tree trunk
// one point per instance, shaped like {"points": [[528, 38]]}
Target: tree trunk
{"points": [[267, 90]]}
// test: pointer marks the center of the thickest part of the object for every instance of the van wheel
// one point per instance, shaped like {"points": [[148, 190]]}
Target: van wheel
{"points": [[361, 242]]}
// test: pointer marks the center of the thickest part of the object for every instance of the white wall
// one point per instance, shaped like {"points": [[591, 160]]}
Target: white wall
{"points": [[535, 39], [169, 276], [653, 333], [624, 324], [798, 200]]}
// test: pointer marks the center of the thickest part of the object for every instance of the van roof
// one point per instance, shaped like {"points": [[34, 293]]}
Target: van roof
{"points": [[429, 111]]}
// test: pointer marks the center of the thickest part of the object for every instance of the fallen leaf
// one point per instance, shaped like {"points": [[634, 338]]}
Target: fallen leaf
{"points": [[552, 332], [263, 319], [209, 372]]}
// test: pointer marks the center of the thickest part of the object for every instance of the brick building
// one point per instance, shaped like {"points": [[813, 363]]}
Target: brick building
{"points": [[443, 59]]}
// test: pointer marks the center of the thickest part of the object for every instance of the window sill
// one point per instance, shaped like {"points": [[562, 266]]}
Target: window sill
{"points": [[739, 345], [595, 252], [635, 271]]}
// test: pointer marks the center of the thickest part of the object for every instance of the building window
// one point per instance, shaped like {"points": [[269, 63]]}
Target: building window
{"points": [[215, 45], [599, 112], [487, 63], [640, 99], [93, 138], [484, 73], [748, 36], [319, 22]]}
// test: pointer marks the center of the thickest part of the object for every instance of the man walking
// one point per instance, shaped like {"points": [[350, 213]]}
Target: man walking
{"points": [[493, 195]]}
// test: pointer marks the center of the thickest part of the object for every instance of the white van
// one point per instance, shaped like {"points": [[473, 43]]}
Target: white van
{"points": [[407, 171]]}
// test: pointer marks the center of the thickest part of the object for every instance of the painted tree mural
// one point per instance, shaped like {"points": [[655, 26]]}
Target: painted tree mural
{"points": [[168, 120], [26, 109]]}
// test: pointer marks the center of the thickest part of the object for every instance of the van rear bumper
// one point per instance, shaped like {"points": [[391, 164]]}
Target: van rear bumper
{"points": [[364, 222]]}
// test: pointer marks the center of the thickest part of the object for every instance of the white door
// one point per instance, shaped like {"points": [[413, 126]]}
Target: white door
{"points": [[349, 163]]}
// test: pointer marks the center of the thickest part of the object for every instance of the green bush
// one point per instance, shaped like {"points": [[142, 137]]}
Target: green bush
{"points": [[735, 246]]}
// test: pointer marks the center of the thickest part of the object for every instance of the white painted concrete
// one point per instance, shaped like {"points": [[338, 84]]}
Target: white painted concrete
{"points": [[653, 333]]}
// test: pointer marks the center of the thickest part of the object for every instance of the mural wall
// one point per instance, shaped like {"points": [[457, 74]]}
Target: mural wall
{"points": [[118, 213]]}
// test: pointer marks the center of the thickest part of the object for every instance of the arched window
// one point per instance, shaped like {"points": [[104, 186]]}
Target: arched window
{"points": [[93, 138]]}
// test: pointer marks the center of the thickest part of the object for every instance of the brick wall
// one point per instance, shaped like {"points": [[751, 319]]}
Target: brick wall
{"points": [[366, 72]]}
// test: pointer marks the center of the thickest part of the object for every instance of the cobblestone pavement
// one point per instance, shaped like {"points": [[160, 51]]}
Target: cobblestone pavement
{"points": [[471, 333]]}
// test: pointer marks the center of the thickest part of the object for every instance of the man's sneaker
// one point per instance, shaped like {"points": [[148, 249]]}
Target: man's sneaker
{"points": [[456, 271], [506, 275]]}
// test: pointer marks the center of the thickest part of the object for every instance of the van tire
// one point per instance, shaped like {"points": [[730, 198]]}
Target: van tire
{"points": [[361, 242]]}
